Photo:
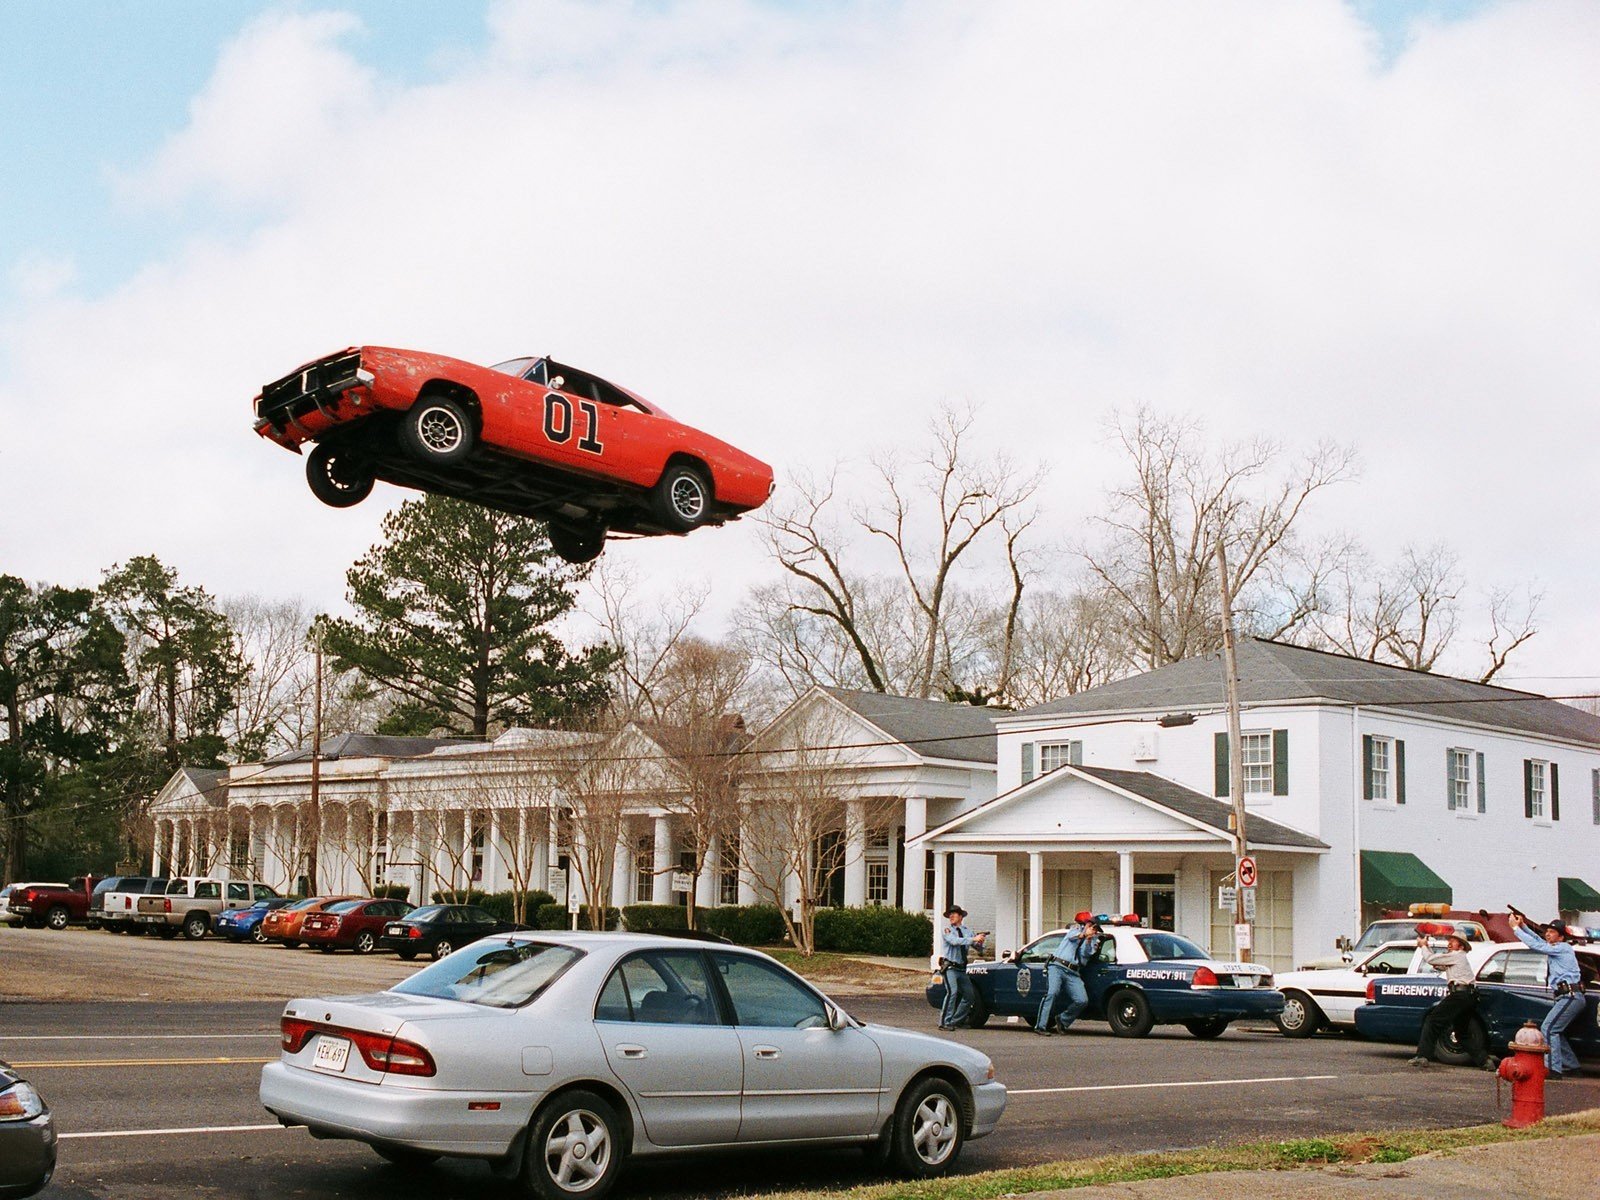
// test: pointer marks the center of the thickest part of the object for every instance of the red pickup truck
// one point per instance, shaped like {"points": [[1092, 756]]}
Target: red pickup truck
{"points": [[56, 907]]}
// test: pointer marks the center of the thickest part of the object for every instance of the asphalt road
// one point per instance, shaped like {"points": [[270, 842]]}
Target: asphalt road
{"points": [[159, 1100]]}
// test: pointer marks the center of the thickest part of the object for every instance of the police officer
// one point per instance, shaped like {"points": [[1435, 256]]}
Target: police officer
{"points": [[1459, 1003], [1566, 982], [959, 994], [1064, 973]]}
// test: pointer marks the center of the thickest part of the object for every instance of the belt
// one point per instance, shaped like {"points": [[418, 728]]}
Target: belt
{"points": [[1461, 987], [1568, 989]]}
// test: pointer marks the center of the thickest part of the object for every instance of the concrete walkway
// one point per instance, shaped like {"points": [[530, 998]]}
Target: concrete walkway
{"points": [[1535, 1170], [919, 965]]}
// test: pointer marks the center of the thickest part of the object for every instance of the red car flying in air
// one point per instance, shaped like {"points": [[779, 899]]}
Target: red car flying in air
{"points": [[529, 436]]}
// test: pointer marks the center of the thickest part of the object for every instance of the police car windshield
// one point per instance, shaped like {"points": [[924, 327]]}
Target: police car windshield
{"points": [[1380, 932], [1159, 947], [501, 974]]}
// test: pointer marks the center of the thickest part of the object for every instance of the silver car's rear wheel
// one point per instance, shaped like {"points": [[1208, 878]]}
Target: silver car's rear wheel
{"points": [[574, 1148], [927, 1133]]}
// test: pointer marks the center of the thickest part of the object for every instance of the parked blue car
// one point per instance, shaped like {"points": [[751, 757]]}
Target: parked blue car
{"points": [[240, 924], [1512, 988], [1141, 978]]}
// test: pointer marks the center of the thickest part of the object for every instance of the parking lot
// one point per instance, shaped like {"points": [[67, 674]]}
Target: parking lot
{"points": [[158, 1097]]}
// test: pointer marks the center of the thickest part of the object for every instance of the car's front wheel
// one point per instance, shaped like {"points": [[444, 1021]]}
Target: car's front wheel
{"points": [[365, 943], [574, 1148], [1463, 1046], [578, 545], [1128, 1014], [1208, 1027], [442, 949], [1300, 1016], [926, 1136], [195, 926], [438, 430], [407, 955], [337, 478], [258, 936], [682, 498]]}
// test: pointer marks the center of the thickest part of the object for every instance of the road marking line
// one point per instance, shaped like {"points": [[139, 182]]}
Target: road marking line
{"points": [[1179, 1083], [128, 1037], [117, 1133], [139, 1062]]}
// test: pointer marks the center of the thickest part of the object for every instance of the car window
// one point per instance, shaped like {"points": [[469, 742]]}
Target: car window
{"points": [[428, 912], [206, 889], [262, 892], [178, 887], [1042, 949], [302, 905], [238, 891], [476, 916], [1159, 947], [1527, 967], [513, 366], [107, 885], [763, 995], [344, 906], [498, 974], [1393, 961], [1380, 932], [660, 987], [1108, 951], [155, 887]]}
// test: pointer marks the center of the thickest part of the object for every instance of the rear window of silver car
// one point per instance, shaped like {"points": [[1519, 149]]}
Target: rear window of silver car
{"points": [[499, 974]]}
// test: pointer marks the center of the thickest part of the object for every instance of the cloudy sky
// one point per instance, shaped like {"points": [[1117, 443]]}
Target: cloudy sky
{"points": [[804, 226]]}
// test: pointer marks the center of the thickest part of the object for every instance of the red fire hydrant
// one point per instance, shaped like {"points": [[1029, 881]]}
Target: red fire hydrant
{"points": [[1525, 1071]]}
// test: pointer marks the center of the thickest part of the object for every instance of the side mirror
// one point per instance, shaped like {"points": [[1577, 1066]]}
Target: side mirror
{"points": [[1007, 955], [836, 1018]]}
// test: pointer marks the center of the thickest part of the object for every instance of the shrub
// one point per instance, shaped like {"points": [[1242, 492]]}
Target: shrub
{"points": [[555, 916], [459, 896], [499, 905], [650, 918], [875, 930], [393, 891], [747, 924]]}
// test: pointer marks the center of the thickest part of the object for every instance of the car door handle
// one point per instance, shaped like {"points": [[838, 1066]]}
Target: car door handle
{"points": [[767, 1052], [629, 1051]]}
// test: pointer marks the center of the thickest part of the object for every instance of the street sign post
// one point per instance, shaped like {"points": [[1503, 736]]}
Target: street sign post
{"points": [[1226, 896], [1246, 872], [682, 881], [1241, 936], [1248, 896]]}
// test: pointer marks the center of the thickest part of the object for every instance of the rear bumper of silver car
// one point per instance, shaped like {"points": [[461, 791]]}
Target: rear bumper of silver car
{"points": [[988, 1104], [390, 1113]]}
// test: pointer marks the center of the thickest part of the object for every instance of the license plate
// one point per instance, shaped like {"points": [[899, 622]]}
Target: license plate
{"points": [[153, 920], [395, 931], [332, 1054], [1246, 981]]}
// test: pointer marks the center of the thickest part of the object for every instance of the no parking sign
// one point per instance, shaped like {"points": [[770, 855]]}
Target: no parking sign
{"points": [[1246, 871]]}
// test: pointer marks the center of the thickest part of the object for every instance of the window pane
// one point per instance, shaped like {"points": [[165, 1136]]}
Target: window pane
{"points": [[764, 996], [1256, 756], [238, 891], [1043, 948], [493, 973], [613, 1005], [670, 988], [1526, 967]]}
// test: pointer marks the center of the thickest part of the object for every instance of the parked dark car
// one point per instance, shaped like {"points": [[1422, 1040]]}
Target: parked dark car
{"points": [[27, 1138], [350, 925], [439, 929]]}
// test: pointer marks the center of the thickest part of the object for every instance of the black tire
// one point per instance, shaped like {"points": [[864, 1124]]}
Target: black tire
{"points": [[979, 1016], [337, 478], [578, 1133], [288, 945], [258, 935], [404, 1156], [57, 918], [407, 955], [577, 545], [1463, 1048], [438, 430], [928, 1130], [1128, 1013], [167, 932], [195, 926], [1210, 1027], [681, 499], [1300, 1017], [326, 949], [366, 943], [442, 949]]}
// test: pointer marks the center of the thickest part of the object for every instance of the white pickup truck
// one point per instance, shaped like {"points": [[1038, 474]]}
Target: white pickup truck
{"points": [[191, 903]]}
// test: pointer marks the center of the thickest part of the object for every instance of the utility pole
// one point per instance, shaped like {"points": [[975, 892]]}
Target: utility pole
{"points": [[315, 808], [1230, 666]]}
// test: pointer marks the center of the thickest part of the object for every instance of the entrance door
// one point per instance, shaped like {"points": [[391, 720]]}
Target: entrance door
{"points": [[1155, 898]]}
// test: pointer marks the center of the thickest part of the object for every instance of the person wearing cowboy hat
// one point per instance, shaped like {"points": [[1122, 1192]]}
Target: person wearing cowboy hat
{"points": [[959, 993], [1566, 982], [1459, 1004]]}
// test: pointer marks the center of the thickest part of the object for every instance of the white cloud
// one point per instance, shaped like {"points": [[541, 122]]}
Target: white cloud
{"points": [[802, 229]]}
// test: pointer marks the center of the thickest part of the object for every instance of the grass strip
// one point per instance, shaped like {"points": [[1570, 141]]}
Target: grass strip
{"points": [[1336, 1149]]}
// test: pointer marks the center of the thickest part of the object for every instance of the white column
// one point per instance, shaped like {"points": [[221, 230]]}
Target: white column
{"points": [[911, 893], [747, 884], [705, 888], [855, 853], [661, 888], [941, 893], [491, 853], [552, 844], [466, 849], [1125, 883], [1035, 894], [155, 848], [622, 870]]}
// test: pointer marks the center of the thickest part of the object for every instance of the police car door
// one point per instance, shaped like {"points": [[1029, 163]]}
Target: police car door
{"points": [[1020, 990]]}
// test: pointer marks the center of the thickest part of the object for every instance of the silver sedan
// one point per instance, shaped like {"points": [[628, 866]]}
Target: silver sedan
{"points": [[556, 1056]]}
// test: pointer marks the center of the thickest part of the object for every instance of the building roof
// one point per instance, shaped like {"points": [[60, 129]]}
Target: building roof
{"points": [[1258, 830], [367, 745], [207, 780], [1276, 672], [931, 728]]}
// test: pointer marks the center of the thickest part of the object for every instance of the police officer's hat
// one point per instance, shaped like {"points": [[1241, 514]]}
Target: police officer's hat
{"points": [[1561, 928], [956, 909]]}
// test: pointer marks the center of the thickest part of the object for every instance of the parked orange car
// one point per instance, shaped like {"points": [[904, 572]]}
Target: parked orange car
{"points": [[283, 924]]}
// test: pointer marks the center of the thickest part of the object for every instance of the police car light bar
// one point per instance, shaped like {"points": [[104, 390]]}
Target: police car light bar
{"points": [[1427, 910], [1104, 919]]}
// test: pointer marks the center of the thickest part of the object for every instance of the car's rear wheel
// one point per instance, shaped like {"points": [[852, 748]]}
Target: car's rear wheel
{"points": [[288, 945], [336, 477], [58, 918], [574, 1148], [1300, 1017], [365, 943], [927, 1134], [681, 498], [438, 430], [404, 1156], [326, 949], [195, 926], [577, 544], [1463, 1046], [1128, 1013], [1210, 1027], [407, 955], [258, 936], [442, 949], [168, 931]]}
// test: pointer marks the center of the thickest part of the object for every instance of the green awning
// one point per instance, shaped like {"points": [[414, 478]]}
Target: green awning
{"points": [[1576, 895], [1396, 878]]}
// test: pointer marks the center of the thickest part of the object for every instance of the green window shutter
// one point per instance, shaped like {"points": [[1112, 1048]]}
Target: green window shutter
{"points": [[1027, 762], [1527, 787], [1594, 786], [1555, 792], [1483, 786], [1366, 766], [1449, 778], [1075, 754], [1221, 754], [1280, 762], [1399, 771]]}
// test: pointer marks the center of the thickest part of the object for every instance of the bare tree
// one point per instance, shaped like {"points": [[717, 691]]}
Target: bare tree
{"points": [[350, 837], [644, 630], [1513, 619], [1065, 643], [601, 785], [1157, 557]]}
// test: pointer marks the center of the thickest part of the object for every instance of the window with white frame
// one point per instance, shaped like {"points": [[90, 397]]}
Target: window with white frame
{"points": [[1381, 767], [1255, 754], [1460, 780], [728, 877], [644, 869], [877, 882], [1054, 755], [1536, 788]]}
